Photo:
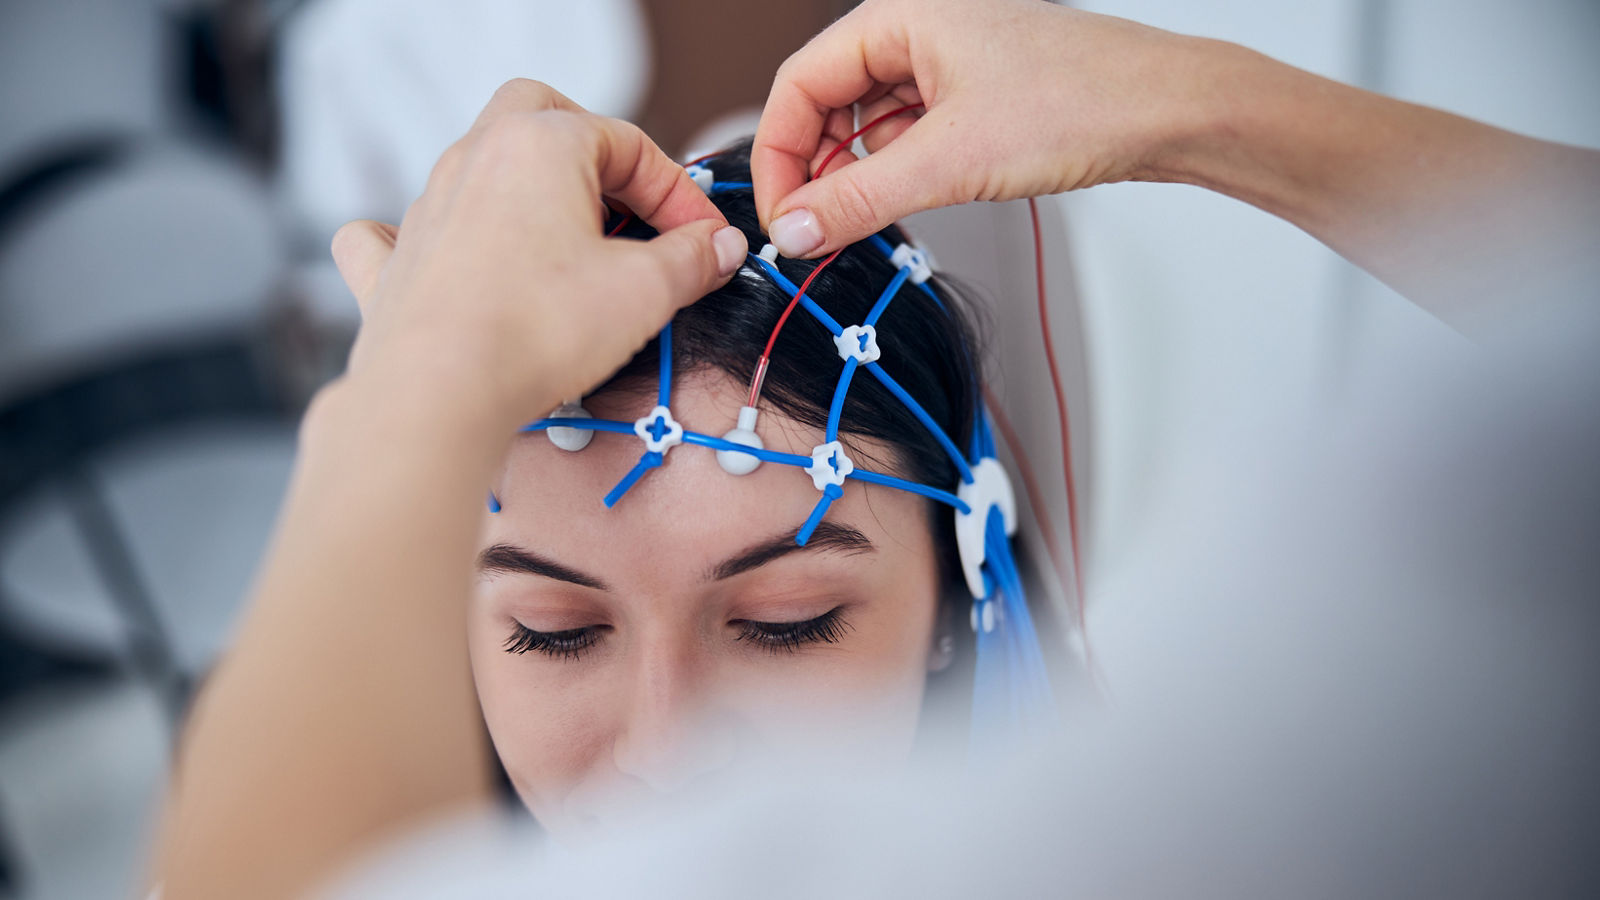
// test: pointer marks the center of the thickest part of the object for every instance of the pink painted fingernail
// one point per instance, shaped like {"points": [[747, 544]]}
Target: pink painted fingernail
{"points": [[730, 245], [796, 233]]}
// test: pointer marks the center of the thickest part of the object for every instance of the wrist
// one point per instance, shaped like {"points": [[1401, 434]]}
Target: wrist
{"points": [[463, 388], [1258, 130], [1211, 87], [367, 410]]}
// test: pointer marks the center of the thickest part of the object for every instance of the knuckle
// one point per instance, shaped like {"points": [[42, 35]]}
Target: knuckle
{"points": [[345, 239], [448, 164], [854, 203], [562, 128], [660, 275], [511, 136], [525, 90]]}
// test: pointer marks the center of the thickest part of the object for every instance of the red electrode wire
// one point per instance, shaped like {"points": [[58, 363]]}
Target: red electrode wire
{"points": [[760, 376], [863, 130], [1061, 417]]}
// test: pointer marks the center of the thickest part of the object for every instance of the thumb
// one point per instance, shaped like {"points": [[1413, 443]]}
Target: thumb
{"points": [[682, 265], [912, 173], [360, 250]]}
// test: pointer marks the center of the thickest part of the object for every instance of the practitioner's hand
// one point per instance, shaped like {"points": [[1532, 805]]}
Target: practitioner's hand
{"points": [[498, 290], [1022, 98]]}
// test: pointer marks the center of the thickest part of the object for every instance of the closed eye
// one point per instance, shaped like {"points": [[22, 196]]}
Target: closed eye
{"points": [[828, 628], [568, 644]]}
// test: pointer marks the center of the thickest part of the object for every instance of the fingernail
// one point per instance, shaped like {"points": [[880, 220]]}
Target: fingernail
{"points": [[731, 246], [796, 233]]}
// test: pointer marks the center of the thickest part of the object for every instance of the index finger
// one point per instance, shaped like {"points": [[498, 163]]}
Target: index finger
{"points": [[522, 95], [838, 67], [632, 169], [629, 167]]}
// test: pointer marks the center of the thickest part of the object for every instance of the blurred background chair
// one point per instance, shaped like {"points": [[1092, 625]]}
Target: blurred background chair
{"points": [[147, 400], [170, 174]]}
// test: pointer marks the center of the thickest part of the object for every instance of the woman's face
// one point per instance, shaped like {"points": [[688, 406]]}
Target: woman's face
{"points": [[623, 654]]}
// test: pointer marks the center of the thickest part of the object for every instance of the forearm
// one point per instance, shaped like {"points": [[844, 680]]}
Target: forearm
{"points": [[346, 710], [1455, 214]]}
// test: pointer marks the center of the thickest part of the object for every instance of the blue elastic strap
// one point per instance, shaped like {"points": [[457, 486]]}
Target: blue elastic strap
{"points": [[664, 388], [789, 288], [979, 449], [932, 493], [837, 408], [878, 241], [927, 421], [982, 437], [1012, 686], [829, 494], [648, 461], [894, 387], [772, 456], [887, 295], [718, 187], [585, 424], [651, 458]]}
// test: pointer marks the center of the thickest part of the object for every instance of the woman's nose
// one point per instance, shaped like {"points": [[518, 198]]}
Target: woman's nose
{"points": [[673, 732]]}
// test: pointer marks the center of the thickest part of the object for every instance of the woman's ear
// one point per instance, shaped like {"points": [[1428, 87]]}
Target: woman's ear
{"points": [[944, 649]]}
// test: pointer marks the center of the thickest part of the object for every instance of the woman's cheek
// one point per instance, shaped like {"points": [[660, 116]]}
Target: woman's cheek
{"points": [[870, 686], [546, 726]]}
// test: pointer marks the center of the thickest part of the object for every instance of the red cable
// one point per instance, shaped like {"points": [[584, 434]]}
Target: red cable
{"points": [[1061, 417], [760, 376], [859, 132]]}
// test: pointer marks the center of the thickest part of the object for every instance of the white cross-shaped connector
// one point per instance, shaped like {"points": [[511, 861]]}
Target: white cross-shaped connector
{"points": [[659, 431], [907, 256], [701, 176], [859, 342], [829, 465]]}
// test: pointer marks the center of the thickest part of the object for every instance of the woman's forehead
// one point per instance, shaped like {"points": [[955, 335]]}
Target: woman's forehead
{"points": [[689, 508]]}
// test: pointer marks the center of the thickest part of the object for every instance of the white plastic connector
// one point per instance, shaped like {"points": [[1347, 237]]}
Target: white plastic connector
{"points": [[732, 461], [859, 342], [829, 465], [565, 436], [907, 256], [990, 487], [984, 620], [702, 177], [769, 253], [659, 430]]}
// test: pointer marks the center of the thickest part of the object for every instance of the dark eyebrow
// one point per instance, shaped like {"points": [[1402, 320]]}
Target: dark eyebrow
{"points": [[506, 558], [827, 536]]}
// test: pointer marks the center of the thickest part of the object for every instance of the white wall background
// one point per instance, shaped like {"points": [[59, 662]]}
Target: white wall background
{"points": [[1199, 309]]}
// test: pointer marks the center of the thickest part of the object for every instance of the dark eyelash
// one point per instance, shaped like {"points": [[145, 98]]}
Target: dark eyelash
{"points": [[828, 628], [568, 644]]}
